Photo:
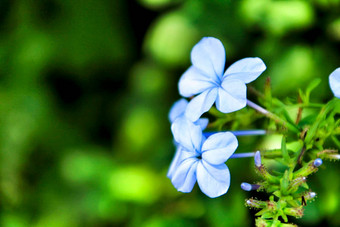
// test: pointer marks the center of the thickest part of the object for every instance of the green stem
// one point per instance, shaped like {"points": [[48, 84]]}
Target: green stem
{"points": [[273, 117]]}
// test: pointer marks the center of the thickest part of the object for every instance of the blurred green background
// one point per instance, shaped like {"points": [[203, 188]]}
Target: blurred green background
{"points": [[85, 89]]}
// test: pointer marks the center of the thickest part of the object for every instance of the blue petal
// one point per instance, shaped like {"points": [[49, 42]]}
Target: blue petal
{"points": [[187, 134], [219, 147], [208, 55], [193, 82], [214, 180], [180, 155], [334, 82], [174, 163], [246, 69], [184, 178], [200, 104], [232, 96], [203, 122], [177, 109]]}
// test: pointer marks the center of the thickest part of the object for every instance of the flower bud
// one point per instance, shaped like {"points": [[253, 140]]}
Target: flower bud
{"points": [[256, 203], [248, 187], [329, 154], [295, 184], [317, 162], [308, 169], [310, 195], [257, 159], [334, 156], [296, 212]]}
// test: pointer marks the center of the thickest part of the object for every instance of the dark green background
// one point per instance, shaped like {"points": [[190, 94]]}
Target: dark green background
{"points": [[85, 89]]}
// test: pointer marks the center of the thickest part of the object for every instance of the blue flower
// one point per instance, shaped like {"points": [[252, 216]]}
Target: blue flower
{"points": [[334, 82], [199, 159], [178, 110], [206, 79]]}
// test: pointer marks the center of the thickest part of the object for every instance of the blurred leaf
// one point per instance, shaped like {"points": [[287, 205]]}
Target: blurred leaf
{"points": [[170, 40], [135, 184], [158, 4]]}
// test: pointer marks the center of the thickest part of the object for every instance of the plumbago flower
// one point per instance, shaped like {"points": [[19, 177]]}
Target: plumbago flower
{"points": [[334, 82], [205, 78], [178, 111], [199, 159]]}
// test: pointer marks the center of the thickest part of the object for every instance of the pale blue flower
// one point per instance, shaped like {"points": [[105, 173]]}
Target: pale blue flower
{"points": [[199, 159], [178, 110], [334, 82], [205, 78]]}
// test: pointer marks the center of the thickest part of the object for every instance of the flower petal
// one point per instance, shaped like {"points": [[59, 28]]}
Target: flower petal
{"points": [[180, 155], [177, 109], [208, 55], [246, 69], [200, 104], [193, 82], [219, 147], [184, 178], [334, 82], [187, 134], [203, 122], [232, 96], [214, 180], [174, 163]]}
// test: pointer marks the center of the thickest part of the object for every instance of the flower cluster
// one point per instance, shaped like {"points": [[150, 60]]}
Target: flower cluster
{"points": [[201, 156], [198, 158]]}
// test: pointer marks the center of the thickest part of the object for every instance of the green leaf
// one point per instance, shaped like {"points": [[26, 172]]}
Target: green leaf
{"points": [[305, 185], [268, 215], [295, 146], [311, 87], [284, 150], [285, 183]]}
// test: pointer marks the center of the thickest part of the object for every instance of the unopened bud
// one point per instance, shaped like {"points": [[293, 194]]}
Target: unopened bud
{"points": [[329, 154], [249, 187], [317, 162], [257, 159], [308, 169], [296, 212], [295, 184], [256, 203], [334, 156], [310, 195]]}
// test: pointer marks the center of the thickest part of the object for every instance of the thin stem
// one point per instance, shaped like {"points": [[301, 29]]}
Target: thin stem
{"points": [[257, 107], [266, 154], [272, 116], [254, 132], [243, 155]]}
